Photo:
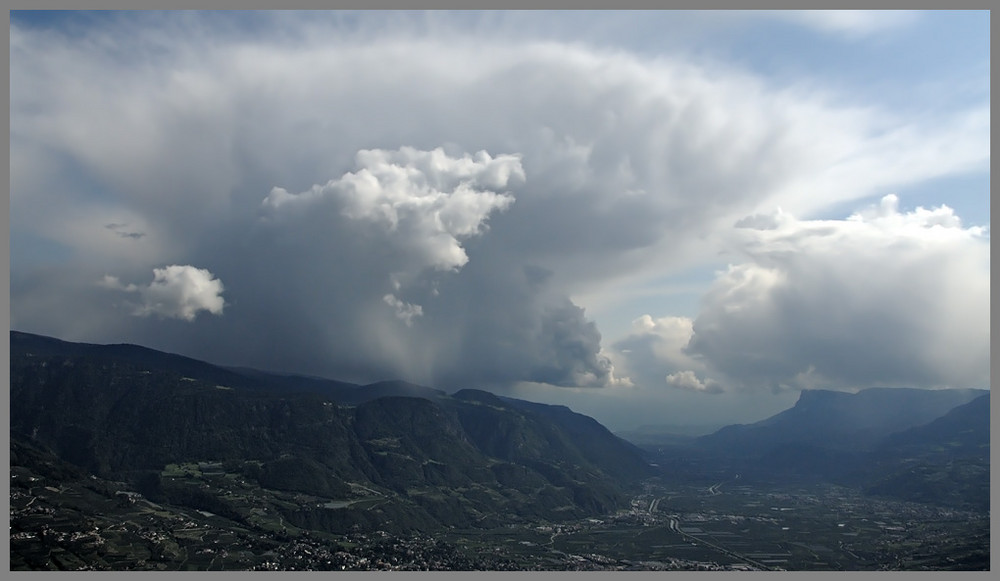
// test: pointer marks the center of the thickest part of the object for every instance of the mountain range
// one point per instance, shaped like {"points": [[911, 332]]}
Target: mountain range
{"points": [[842, 420], [913, 444], [153, 421], [127, 413]]}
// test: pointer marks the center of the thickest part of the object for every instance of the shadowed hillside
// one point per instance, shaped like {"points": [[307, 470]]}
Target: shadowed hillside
{"points": [[128, 413]]}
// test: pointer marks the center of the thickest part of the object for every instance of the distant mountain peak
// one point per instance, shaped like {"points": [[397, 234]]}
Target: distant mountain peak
{"points": [[821, 394], [840, 419]]}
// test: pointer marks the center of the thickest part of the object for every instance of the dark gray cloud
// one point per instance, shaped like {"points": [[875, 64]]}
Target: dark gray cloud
{"points": [[119, 229], [512, 325]]}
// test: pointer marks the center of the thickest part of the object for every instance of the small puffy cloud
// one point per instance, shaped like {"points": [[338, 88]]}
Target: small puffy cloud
{"points": [[687, 380], [663, 338], [404, 311], [177, 292], [655, 349], [886, 215], [112, 282]]}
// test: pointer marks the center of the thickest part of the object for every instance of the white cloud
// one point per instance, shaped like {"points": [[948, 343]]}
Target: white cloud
{"points": [[687, 380], [427, 201], [653, 356], [668, 336], [404, 311], [177, 292], [882, 298], [450, 195], [112, 282]]}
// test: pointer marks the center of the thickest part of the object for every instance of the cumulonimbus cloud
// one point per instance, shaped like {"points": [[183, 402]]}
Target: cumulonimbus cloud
{"points": [[882, 298], [177, 292], [620, 165]]}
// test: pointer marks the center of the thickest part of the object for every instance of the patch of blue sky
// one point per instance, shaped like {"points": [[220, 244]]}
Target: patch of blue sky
{"points": [[677, 294], [936, 59], [674, 299], [215, 24], [67, 20], [876, 62]]}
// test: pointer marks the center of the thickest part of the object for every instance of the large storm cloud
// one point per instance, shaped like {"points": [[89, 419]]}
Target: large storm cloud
{"points": [[428, 209], [883, 298]]}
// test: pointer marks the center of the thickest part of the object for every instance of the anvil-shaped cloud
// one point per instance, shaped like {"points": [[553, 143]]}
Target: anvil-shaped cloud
{"points": [[454, 208]]}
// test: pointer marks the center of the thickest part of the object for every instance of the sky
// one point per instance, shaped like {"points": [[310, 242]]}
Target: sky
{"points": [[654, 218]]}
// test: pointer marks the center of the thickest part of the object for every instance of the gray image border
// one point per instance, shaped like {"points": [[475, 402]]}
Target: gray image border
{"points": [[451, 4]]}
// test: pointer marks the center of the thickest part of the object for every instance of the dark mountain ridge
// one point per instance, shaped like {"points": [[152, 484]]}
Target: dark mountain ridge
{"points": [[923, 445], [31, 345], [394, 388], [946, 461], [129, 413], [840, 420], [964, 427], [28, 344]]}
